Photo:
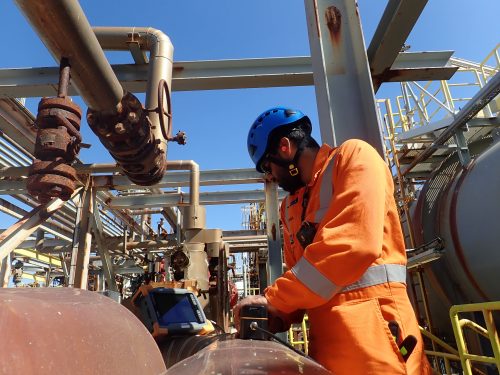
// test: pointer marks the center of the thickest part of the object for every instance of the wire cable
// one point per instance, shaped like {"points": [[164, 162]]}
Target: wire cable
{"points": [[254, 326]]}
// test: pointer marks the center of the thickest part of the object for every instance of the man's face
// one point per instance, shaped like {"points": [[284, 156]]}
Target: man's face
{"points": [[280, 175]]}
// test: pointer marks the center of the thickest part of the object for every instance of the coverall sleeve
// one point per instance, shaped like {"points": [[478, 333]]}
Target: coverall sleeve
{"points": [[349, 238]]}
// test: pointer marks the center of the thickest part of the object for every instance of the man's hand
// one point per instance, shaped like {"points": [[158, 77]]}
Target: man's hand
{"points": [[250, 300], [278, 321]]}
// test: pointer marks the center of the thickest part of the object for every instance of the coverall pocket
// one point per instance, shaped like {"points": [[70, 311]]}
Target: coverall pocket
{"points": [[355, 339]]}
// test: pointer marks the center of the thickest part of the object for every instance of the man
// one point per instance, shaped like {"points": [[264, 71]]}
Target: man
{"points": [[343, 248]]}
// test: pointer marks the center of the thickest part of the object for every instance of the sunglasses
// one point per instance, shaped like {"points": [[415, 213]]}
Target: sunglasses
{"points": [[265, 166]]}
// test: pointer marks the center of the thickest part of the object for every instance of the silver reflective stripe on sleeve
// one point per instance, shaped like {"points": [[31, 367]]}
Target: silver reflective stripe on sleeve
{"points": [[314, 280], [325, 191], [379, 274], [322, 286]]}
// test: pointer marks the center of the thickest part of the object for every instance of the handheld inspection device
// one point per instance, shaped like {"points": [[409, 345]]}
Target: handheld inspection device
{"points": [[170, 311]]}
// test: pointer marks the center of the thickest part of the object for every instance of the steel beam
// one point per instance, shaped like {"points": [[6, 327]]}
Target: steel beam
{"points": [[415, 134], [187, 76], [173, 179], [341, 74], [38, 256], [17, 233], [418, 74], [17, 123], [471, 108], [82, 238], [12, 210], [180, 179], [396, 24], [180, 199], [202, 75], [102, 250]]}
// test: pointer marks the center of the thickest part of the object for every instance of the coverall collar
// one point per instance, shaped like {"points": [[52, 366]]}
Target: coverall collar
{"points": [[321, 158]]}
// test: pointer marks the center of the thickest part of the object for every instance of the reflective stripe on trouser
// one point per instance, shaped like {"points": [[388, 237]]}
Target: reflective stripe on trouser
{"points": [[311, 277]]}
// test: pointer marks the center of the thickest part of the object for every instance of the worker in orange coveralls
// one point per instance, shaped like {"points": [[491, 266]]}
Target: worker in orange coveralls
{"points": [[343, 248]]}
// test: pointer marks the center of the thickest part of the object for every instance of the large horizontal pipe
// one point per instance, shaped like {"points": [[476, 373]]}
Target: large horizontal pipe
{"points": [[66, 32]]}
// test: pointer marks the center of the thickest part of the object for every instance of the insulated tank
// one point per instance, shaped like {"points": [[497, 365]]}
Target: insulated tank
{"points": [[462, 207]]}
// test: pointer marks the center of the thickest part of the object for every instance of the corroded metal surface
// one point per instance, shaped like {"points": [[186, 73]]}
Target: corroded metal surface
{"points": [[68, 331], [233, 357], [57, 144], [127, 134]]}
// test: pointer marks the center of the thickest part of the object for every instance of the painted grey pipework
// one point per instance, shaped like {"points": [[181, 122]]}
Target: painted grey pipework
{"points": [[194, 177], [66, 32], [161, 53]]}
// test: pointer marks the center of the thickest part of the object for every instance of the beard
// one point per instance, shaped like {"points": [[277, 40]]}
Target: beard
{"points": [[290, 183]]}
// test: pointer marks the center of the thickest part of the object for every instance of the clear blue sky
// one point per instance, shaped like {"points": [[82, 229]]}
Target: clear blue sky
{"points": [[217, 122]]}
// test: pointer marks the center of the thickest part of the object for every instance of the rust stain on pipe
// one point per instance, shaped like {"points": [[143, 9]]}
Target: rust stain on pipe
{"points": [[334, 23]]}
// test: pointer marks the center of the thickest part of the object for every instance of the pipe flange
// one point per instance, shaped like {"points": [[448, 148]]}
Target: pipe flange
{"points": [[128, 136], [51, 179], [53, 167], [55, 143], [48, 186], [64, 103], [122, 125]]}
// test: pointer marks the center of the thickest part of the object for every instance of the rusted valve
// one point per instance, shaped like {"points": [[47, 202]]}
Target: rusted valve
{"points": [[57, 143], [127, 134]]}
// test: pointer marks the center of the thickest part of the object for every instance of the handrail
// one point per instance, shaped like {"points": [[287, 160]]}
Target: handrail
{"points": [[490, 332], [305, 339]]}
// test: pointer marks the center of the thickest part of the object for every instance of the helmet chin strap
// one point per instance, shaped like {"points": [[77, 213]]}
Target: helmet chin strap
{"points": [[291, 165]]}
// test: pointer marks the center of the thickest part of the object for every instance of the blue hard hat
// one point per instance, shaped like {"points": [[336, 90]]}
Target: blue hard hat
{"points": [[265, 124]]}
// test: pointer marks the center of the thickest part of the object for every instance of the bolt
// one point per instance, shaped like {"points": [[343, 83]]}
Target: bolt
{"points": [[120, 128], [55, 191], [132, 117]]}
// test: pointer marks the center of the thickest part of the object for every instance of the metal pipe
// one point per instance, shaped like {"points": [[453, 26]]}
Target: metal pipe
{"points": [[66, 32], [194, 177], [473, 106], [161, 52]]}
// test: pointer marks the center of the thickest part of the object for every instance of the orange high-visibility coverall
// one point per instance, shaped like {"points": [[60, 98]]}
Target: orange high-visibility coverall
{"points": [[359, 230]]}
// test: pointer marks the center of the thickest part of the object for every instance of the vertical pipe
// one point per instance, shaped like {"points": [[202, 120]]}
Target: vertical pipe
{"points": [[275, 260], [64, 76]]}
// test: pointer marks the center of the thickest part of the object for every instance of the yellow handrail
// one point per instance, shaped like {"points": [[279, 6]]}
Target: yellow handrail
{"points": [[490, 332], [304, 341]]}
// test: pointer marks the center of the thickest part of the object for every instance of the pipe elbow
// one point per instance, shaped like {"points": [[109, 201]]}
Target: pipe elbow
{"points": [[159, 43]]}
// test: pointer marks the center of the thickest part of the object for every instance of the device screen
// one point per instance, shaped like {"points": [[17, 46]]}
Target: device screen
{"points": [[174, 308]]}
